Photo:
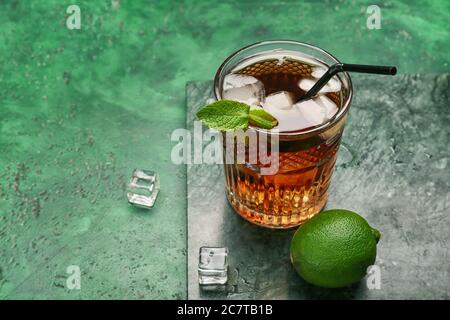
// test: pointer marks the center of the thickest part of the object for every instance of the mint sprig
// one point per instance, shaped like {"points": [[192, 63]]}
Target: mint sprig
{"points": [[261, 118], [227, 115]]}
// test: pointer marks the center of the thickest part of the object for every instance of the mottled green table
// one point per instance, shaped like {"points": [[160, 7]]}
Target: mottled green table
{"points": [[392, 168], [79, 109]]}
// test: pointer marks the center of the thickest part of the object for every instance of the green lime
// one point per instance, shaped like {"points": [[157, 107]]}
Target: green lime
{"points": [[334, 248]]}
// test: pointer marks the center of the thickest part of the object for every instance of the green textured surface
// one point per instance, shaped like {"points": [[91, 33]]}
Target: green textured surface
{"points": [[81, 108]]}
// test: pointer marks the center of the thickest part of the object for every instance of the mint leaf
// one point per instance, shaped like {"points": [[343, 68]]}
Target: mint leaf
{"points": [[261, 118], [227, 115]]}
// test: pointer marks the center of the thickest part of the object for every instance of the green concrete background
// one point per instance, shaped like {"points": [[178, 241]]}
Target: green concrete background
{"points": [[79, 109]]}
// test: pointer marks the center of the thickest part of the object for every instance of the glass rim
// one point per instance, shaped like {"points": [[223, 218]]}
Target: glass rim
{"points": [[313, 130]]}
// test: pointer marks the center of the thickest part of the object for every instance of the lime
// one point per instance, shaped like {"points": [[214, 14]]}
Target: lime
{"points": [[334, 248]]}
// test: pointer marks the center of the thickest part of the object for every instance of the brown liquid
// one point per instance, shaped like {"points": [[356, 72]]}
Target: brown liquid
{"points": [[299, 190]]}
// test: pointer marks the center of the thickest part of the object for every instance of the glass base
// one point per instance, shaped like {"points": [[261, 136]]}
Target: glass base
{"points": [[276, 221]]}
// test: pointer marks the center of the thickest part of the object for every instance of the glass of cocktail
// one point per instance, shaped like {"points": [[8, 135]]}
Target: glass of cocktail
{"points": [[274, 75]]}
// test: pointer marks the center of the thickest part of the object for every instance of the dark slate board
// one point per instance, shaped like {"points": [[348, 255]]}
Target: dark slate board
{"points": [[392, 169]]}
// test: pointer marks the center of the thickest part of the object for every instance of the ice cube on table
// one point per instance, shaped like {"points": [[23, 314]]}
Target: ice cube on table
{"points": [[143, 188], [281, 100], [333, 85], [213, 265], [243, 88]]}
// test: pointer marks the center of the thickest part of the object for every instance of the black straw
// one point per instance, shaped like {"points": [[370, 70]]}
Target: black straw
{"points": [[346, 67]]}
